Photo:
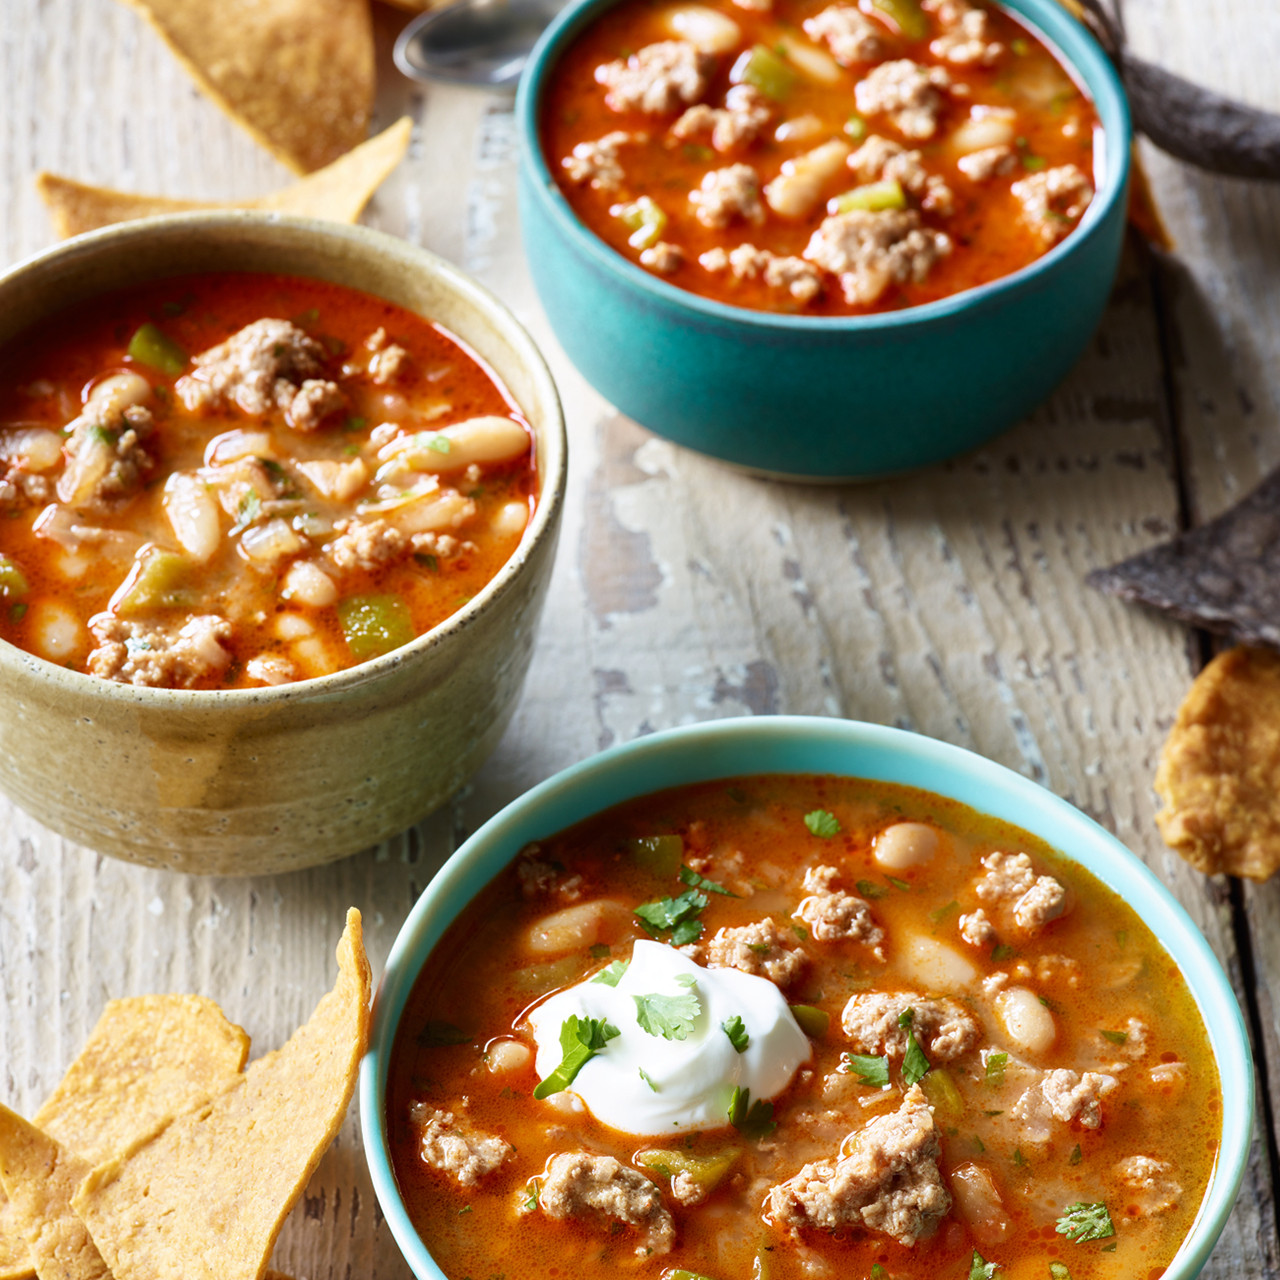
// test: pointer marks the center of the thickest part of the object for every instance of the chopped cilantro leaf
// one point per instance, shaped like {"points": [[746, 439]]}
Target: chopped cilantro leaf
{"points": [[436, 1034], [647, 1078], [1108, 1248], [877, 1271], [100, 434], [529, 1201], [1116, 1037], [598, 950], [872, 1071], [801, 932], [580, 1040], [1076, 1155], [996, 1063], [352, 423], [1083, 1222], [690, 877], [1018, 1158], [899, 884], [979, 1269], [611, 974], [906, 1017], [736, 794], [822, 824], [671, 1017], [248, 510], [685, 932], [979, 1145], [915, 1066], [466, 1208], [1003, 952], [438, 443], [672, 913], [944, 911], [869, 889], [752, 1120], [993, 1113], [737, 1033]]}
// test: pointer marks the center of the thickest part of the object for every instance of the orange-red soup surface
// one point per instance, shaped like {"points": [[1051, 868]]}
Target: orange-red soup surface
{"points": [[1007, 1071], [820, 156], [236, 479]]}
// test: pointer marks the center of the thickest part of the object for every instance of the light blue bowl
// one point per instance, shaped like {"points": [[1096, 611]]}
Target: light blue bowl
{"points": [[798, 744], [815, 397]]}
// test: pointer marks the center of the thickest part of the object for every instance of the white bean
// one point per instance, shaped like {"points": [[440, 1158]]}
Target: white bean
{"points": [[308, 585], [574, 927], [478, 440], [798, 189], [193, 514], [704, 28], [800, 129], [36, 447], [265, 544], [338, 480], [1026, 1021], [816, 63], [293, 626], [934, 965], [979, 1202], [511, 519], [55, 630], [507, 1055], [315, 656], [905, 845], [268, 668], [231, 446], [985, 127], [435, 514], [118, 392]]}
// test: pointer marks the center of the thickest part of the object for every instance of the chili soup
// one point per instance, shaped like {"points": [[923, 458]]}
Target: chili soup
{"points": [[236, 479], [794, 1026], [819, 156]]}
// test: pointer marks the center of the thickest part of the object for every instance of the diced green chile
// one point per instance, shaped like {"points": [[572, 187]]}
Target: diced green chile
{"points": [[906, 15], [644, 219], [13, 582], [374, 625], [661, 855], [159, 580], [154, 348], [872, 196], [764, 70]]}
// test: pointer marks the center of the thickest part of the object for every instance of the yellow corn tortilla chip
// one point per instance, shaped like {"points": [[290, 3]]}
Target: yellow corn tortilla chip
{"points": [[40, 1176], [338, 192], [1219, 773], [220, 1179], [147, 1058], [298, 75]]}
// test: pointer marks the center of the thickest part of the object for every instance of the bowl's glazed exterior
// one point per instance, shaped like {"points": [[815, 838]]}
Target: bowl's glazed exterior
{"points": [[825, 398], [255, 781], [798, 744]]}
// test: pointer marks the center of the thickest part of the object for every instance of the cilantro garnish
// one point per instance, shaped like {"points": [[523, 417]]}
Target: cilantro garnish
{"points": [[822, 824], [752, 1120], [580, 1040], [944, 911], [1116, 1037], [1076, 1155], [737, 1033], [877, 1271], [647, 1078], [869, 889], [915, 1066], [440, 444], [690, 877], [611, 974], [677, 914], [980, 1269], [1083, 1222], [899, 884], [248, 510], [1003, 952], [996, 1063], [870, 1070], [670, 1017], [1018, 1158], [906, 1017]]}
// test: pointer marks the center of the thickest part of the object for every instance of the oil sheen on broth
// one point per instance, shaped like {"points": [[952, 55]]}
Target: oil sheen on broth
{"points": [[819, 156], [240, 479], [990, 1063]]}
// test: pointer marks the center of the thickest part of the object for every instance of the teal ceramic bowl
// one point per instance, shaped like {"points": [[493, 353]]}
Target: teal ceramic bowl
{"points": [[823, 398], [787, 744]]}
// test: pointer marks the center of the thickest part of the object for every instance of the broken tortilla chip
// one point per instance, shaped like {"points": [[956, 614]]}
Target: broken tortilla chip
{"points": [[297, 74], [219, 1180], [1223, 576], [338, 193], [40, 1176], [146, 1058], [1219, 773]]}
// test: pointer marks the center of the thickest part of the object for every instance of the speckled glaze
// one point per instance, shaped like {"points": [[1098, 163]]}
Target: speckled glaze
{"points": [[800, 744], [256, 781], [814, 397]]}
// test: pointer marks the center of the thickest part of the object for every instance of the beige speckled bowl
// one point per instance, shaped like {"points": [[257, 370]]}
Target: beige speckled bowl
{"points": [[254, 781]]}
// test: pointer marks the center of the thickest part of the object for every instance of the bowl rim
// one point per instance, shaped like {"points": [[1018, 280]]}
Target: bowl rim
{"points": [[811, 744], [1071, 43], [361, 242]]}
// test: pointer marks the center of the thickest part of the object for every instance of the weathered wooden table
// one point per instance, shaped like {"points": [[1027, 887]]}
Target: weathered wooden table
{"points": [[949, 602]]}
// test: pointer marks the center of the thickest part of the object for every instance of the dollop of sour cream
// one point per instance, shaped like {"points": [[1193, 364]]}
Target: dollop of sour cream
{"points": [[690, 1081]]}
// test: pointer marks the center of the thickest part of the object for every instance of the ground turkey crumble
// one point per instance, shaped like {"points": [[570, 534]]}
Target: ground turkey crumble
{"points": [[1152, 1184], [909, 94], [269, 364], [106, 462], [756, 948], [869, 251], [1053, 200], [976, 929], [366, 545], [389, 361], [745, 112], [798, 277], [463, 1152], [851, 37], [988, 163], [596, 163], [658, 78], [888, 1182], [580, 1185], [1066, 1096], [833, 914], [726, 194], [880, 158], [942, 1028], [663, 257], [542, 879], [966, 34], [156, 655], [1012, 886]]}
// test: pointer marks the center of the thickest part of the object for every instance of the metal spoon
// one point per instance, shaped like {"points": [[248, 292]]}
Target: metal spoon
{"points": [[480, 42]]}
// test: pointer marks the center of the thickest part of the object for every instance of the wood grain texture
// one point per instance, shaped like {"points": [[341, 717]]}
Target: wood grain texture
{"points": [[950, 603]]}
